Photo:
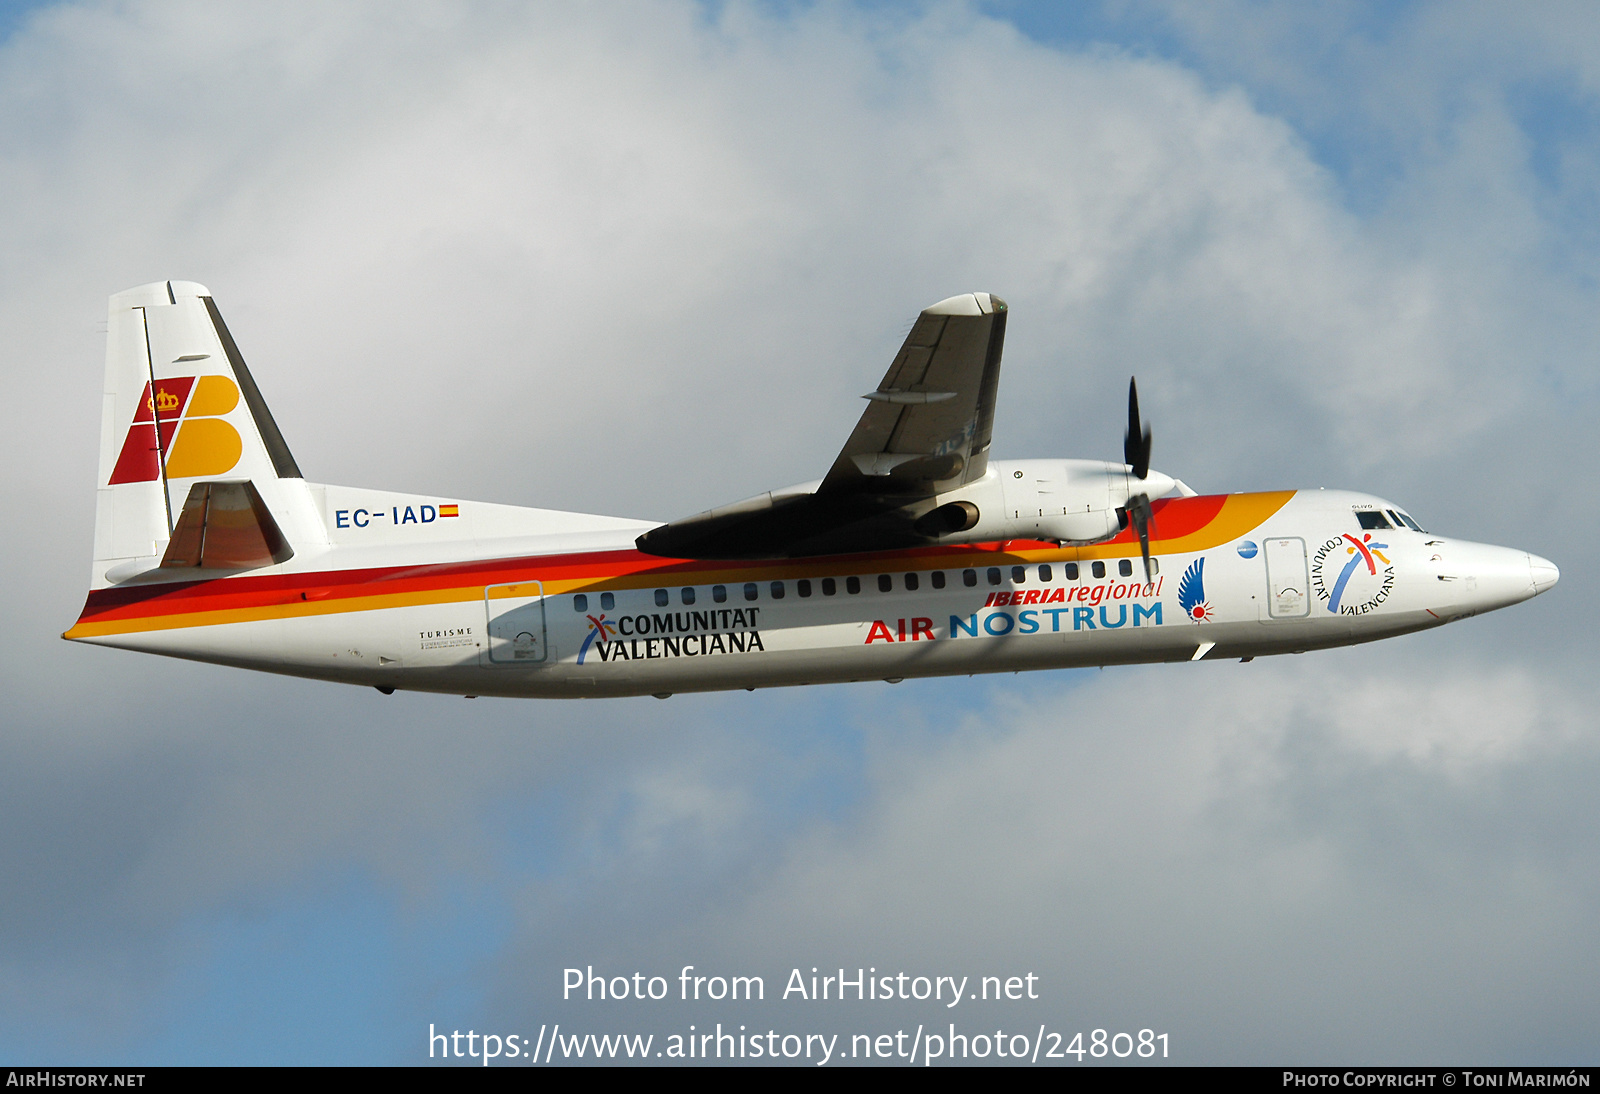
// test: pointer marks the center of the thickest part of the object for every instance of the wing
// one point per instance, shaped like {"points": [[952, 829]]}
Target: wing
{"points": [[926, 430]]}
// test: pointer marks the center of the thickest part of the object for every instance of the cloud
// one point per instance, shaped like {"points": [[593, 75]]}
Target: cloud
{"points": [[1280, 860], [643, 260]]}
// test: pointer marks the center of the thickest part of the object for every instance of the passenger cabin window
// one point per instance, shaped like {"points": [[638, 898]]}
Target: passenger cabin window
{"points": [[1070, 571], [852, 585], [803, 586], [686, 595], [911, 583], [777, 590], [1155, 566], [1371, 519], [1044, 572], [662, 599], [1125, 567], [607, 602], [1098, 569], [885, 583], [1019, 574], [937, 577], [993, 575], [751, 590], [580, 603], [719, 593], [969, 578], [829, 586]]}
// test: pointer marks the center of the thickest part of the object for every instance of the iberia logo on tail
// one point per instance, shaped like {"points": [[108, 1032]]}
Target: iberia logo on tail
{"points": [[187, 411]]}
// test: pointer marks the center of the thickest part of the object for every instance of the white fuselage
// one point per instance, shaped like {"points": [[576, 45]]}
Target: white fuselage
{"points": [[500, 601]]}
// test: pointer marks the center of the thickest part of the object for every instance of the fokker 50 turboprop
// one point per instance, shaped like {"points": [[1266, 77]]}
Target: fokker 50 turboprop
{"points": [[915, 555]]}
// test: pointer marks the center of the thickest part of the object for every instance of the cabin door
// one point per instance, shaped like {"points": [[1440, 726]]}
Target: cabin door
{"points": [[516, 623], [1288, 579]]}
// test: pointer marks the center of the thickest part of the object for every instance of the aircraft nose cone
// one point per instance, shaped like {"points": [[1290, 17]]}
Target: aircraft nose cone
{"points": [[1545, 574]]}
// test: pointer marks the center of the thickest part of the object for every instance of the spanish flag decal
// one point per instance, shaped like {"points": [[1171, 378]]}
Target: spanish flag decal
{"points": [[449, 510]]}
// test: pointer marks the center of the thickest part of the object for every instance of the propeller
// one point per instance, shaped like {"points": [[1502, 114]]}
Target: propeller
{"points": [[1136, 454], [1136, 444]]}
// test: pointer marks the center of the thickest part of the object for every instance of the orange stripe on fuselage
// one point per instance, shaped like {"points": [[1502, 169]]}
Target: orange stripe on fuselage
{"points": [[1189, 525], [1178, 526]]}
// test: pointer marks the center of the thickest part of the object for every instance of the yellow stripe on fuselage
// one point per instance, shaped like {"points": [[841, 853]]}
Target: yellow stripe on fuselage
{"points": [[1239, 515]]}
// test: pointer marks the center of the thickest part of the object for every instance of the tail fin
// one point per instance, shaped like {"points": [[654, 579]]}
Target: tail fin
{"points": [[179, 407]]}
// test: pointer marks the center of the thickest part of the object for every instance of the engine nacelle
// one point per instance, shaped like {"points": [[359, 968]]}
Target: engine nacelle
{"points": [[1091, 526], [1066, 501]]}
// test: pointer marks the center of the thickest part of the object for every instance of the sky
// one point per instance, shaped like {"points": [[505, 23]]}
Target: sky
{"points": [[641, 260]]}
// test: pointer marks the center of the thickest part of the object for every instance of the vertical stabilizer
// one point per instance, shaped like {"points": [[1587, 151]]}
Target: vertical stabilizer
{"points": [[179, 407]]}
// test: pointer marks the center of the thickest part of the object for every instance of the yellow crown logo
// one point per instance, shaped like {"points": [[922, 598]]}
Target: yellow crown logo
{"points": [[166, 401]]}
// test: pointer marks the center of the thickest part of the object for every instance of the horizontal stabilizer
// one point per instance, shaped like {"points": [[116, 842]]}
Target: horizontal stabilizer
{"points": [[225, 526]]}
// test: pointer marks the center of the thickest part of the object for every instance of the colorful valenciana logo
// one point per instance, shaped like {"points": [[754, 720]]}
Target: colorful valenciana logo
{"points": [[187, 411], [1360, 550], [598, 628]]}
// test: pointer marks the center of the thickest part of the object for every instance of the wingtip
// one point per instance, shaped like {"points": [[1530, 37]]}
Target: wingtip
{"points": [[967, 303]]}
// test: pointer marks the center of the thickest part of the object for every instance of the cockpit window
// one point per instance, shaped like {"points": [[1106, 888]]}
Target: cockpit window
{"points": [[1372, 519], [1411, 524]]}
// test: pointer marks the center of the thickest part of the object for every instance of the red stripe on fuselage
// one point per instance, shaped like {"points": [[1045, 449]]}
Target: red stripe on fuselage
{"points": [[1173, 518]]}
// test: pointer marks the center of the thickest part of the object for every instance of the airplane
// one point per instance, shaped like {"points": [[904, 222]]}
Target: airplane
{"points": [[915, 555]]}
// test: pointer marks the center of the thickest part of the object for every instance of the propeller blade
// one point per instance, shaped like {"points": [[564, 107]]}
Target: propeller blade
{"points": [[1140, 513], [1136, 442]]}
